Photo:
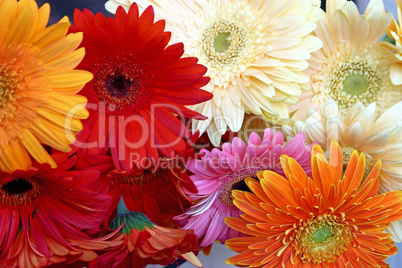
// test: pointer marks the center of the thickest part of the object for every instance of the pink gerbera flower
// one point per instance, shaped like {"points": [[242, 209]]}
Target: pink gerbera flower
{"points": [[218, 172]]}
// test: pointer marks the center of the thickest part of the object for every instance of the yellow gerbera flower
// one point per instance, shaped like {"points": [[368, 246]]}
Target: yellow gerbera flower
{"points": [[352, 65], [255, 52], [38, 86]]}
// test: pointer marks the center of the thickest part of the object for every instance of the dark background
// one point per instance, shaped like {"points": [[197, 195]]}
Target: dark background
{"points": [[59, 9]]}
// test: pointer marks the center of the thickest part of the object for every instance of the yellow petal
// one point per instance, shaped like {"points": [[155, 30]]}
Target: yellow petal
{"points": [[8, 11], [43, 17], [67, 61], [23, 28], [61, 120], [65, 104], [36, 149], [51, 34], [14, 156], [55, 137], [69, 79]]}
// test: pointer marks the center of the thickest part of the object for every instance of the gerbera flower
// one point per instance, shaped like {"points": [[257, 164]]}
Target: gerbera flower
{"points": [[395, 32], [359, 130], [255, 52], [158, 191], [334, 219], [38, 85], [351, 66], [218, 173], [42, 213], [139, 84], [147, 243]]}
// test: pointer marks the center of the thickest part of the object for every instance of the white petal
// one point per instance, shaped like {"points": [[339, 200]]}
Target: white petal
{"points": [[353, 134], [316, 131], [330, 108], [333, 5], [341, 26], [213, 134], [234, 114], [379, 139], [395, 228], [396, 73]]}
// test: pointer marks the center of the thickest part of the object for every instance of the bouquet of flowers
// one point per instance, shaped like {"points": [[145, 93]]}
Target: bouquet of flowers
{"points": [[273, 127]]}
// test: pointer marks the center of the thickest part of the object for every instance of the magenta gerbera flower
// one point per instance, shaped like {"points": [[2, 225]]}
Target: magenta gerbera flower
{"points": [[218, 172]]}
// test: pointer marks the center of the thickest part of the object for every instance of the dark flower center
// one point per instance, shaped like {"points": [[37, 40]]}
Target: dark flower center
{"points": [[241, 185], [20, 191], [235, 181], [120, 84], [17, 186]]}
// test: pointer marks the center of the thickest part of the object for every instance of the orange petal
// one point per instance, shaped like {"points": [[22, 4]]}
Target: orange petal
{"points": [[336, 161]]}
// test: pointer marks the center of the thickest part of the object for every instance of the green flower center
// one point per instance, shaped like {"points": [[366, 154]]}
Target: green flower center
{"points": [[322, 234], [221, 42], [354, 80], [355, 84], [322, 239]]}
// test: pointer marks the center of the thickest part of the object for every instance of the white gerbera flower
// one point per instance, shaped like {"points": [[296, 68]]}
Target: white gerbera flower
{"points": [[360, 130], [255, 52], [395, 32], [352, 65]]}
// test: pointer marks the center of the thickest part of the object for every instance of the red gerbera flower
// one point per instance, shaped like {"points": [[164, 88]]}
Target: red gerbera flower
{"points": [[42, 213], [158, 190], [146, 243], [139, 84]]}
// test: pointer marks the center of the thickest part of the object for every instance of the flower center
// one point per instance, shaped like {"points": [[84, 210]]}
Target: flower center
{"points": [[355, 80], [234, 182], [223, 42], [21, 88], [322, 234], [121, 84], [12, 87], [10, 81], [322, 239], [118, 86], [355, 84], [20, 191], [144, 178]]}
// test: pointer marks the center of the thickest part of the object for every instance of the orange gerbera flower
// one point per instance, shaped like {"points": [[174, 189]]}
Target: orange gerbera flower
{"points": [[334, 219], [38, 86]]}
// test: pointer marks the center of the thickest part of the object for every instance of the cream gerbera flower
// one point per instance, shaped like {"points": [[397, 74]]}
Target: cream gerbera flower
{"points": [[351, 66], [39, 104], [255, 52], [360, 130], [395, 32]]}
